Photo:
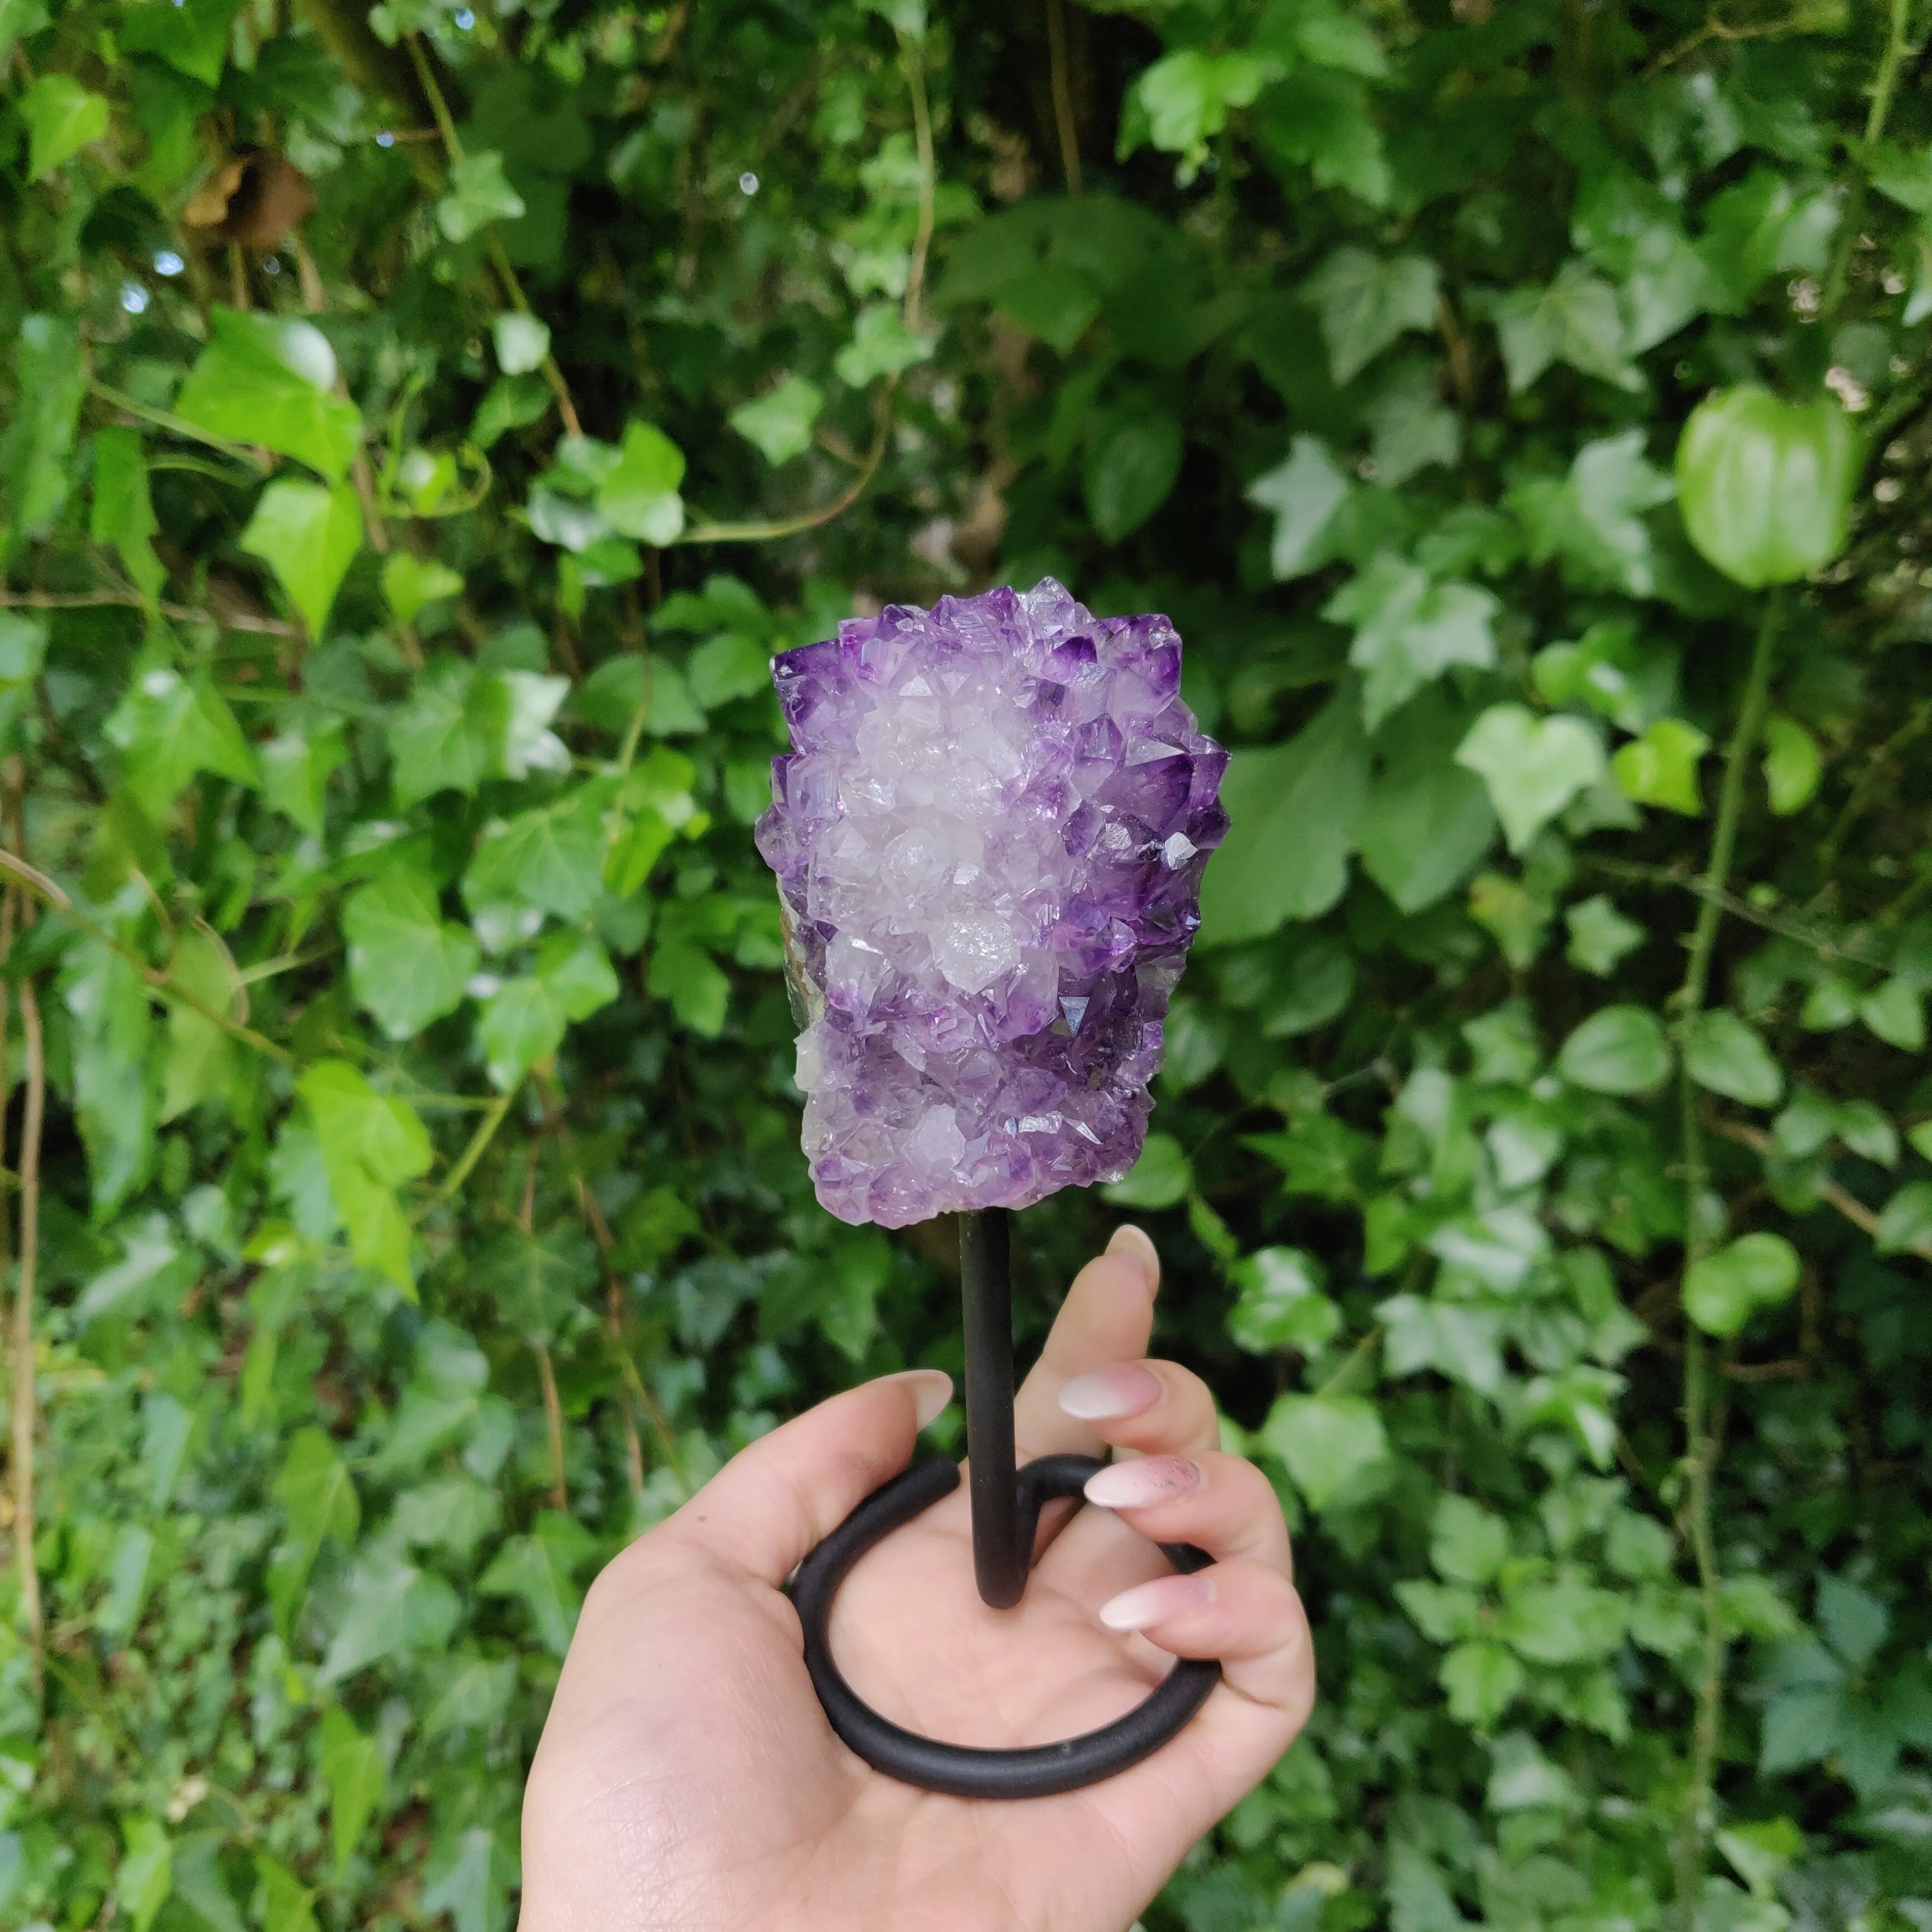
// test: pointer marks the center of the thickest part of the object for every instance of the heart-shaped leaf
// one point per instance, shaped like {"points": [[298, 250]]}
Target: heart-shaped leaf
{"points": [[1754, 1271], [1533, 766]]}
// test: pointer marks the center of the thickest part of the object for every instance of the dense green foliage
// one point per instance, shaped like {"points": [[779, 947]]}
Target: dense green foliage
{"points": [[420, 426]]}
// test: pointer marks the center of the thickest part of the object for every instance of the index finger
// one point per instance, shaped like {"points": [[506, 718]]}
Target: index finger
{"points": [[1108, 1317]]}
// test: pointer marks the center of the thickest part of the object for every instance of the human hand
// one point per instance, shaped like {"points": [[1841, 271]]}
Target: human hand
{"points": [[687, 1777]]}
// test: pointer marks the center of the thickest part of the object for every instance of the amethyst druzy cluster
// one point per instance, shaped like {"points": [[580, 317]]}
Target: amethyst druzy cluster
{"points": [[989, 840]]}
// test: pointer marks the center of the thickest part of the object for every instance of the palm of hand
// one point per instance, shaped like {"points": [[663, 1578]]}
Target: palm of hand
{"points": [[695, 1782]]}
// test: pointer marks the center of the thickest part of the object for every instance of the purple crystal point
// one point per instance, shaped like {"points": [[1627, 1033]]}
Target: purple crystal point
{"points": [[989, 836]]}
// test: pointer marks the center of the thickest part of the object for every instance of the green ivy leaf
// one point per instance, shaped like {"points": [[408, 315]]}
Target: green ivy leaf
{"points": [[1411, 428], [145, 1877], [524, 1021], [511, 402], [1461, 1343], [1576, 319], [1305, 493], [192, 37], [267, 380], [1905, 1225], [319, 1494], [371, 1143], [1159, 1178], [167, 728], [1627, 679], [698, 991], [468, 1875], [1532, 766], [1186, 96], [1467, 1544], [1660, 767], [283, 1902], [479, 193], [725, 668], [1482, 1681], [407, 965], [638, 495], [1593, 521], [124, 514], [106, 997], [1793, 765], [1429, 819], [1601, 937], [1563, 1621], [521, 342], [1365, 302], [881, 345], [461, 725], [62, 117], [1408, 631], [50, 379], [779, 425], [1725, 1055], [352, 1769], [1619, 1049], [1896, 1014], [1329, 1444], [1295, 810], [201, 1063], [411, 582], [551, 857], [1722, 1291], [308, 536], [537, 1280], [1131, 470], [537, 1570], [387, 1606], [1855, 1623], [1280, 1303]]}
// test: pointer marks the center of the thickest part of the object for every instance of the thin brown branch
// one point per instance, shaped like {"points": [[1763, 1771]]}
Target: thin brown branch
{"points": [[26, 1416], [257, 459], [513, 288], [913, 57], [1462, 363], [912, 54], [560, 1488], [161, 982], [1848, 1205], [616, 1325], [179, 614], [810, 520], [1715, 29], [1063, 94], [1826, 945]]}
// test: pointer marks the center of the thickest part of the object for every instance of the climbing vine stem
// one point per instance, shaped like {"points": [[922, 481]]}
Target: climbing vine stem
{"points": [[1699, 1435]]}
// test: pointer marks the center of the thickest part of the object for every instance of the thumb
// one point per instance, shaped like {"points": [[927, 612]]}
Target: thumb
{"points": [[772, 1503]]}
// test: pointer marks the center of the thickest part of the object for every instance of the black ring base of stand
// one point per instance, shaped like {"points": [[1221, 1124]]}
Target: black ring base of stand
{"points": [[964, 1770]]}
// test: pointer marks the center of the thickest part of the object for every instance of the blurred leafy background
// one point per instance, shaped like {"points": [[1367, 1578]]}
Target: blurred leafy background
{"points": [[422, 424]]}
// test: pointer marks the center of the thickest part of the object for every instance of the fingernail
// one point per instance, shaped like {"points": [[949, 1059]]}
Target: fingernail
{"points": [[1146, 1604], [931, 1390], [1135, 1243], [1104, 1395], [1147, 1479]]}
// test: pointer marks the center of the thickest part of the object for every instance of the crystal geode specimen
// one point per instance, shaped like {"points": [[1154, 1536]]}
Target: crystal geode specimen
{"points": [[989, 840]]}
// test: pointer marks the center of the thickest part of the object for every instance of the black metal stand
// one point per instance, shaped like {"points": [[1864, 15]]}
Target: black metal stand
{"points": [[1006, 1504]]}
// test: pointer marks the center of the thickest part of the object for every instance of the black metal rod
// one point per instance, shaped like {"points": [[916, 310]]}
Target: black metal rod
{"points": [[1001, 1557]]}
